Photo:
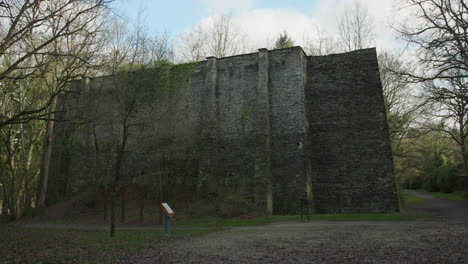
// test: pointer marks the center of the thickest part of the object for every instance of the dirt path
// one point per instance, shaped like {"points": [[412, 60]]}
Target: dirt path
{"points": [[438, 207], [440, 239]]}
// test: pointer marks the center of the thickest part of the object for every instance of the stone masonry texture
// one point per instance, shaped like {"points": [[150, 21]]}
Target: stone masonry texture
{"points": [[279, 125]]}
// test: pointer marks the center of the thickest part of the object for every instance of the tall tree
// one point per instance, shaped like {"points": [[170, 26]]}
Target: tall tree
{"points": [[131, 54], [400, 106], [355, 27], [32, 39], [224, 37], [321, 43], [283, 41], [43, 45], [449, 99], [192, 45]]}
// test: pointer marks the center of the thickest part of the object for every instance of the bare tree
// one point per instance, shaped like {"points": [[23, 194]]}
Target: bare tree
{"points": [[32, 38], [160, 47], [450, 107], [224, 37], [219, 38], [439, 34], [401, 108], [192, 45], [397, 97], [130, 55], [355, 27], [321, 43]]}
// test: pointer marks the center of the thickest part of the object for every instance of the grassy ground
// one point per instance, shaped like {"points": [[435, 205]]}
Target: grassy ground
{"points": [[455, 196], [409, 198], [220, 222], [31, 245]]}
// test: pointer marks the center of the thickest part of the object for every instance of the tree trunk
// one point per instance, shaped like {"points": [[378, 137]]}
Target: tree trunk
{"points": [[105, 195], [46, 153], [115, 184], [142, 206], [17, 212], [112, 211], [123, 192], [27, 160], [465, 158], [4, 205], [159, 207], [463, 136]]}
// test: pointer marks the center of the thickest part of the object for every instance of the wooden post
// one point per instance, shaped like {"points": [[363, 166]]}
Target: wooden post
{"points": [[123, 192]]}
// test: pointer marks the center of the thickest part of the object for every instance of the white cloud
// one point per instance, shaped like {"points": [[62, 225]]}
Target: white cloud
{"points": [[263, 25]]}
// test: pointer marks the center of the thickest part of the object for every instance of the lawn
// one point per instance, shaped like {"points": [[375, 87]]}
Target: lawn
{"points": [[33, 245], [409, 198]]}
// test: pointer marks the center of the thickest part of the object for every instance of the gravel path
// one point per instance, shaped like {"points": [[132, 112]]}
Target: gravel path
{"points": [[439, 240], [439, 208]]}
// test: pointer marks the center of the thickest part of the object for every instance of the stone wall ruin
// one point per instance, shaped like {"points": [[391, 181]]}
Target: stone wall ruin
{"points": [[283, 125]]}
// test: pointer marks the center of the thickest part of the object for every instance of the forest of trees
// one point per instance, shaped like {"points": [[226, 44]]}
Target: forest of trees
{"points": [[46, 44]]}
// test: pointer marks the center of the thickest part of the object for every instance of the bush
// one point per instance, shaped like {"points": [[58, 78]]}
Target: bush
{"points": [[442, 179], [413, 183]]}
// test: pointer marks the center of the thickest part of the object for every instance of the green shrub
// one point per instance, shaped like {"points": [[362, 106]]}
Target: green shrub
{"points": [[442, 179]]}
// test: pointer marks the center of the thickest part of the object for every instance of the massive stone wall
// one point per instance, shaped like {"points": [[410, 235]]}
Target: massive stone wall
{"points": [[348, 143], [278, 125]]}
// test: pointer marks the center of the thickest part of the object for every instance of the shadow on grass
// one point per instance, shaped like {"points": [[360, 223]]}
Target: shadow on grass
{"points": [[35, 245]]}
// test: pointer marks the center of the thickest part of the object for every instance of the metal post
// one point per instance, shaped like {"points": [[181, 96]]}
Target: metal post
{"points": [[167, 225]]}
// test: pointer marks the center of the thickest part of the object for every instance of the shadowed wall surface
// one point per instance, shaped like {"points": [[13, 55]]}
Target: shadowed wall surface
{"points": [[277, 125]]}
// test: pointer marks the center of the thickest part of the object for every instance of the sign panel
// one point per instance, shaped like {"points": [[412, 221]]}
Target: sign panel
{"points": [[167, 210]]}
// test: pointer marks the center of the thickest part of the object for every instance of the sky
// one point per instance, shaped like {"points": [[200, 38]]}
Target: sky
{"points": [[261, 20]]}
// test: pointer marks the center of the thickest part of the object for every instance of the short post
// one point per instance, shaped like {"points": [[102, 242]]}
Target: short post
{"points": [[168, 214], [167, 225]]}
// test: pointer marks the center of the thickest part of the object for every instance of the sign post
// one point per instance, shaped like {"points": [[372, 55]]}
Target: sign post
{"points": [[168, 214]]}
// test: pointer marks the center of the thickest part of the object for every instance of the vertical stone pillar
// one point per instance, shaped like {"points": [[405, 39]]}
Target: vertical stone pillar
{"points": [[209, 97], [263, 159], [208, 128], [288, 122]]}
